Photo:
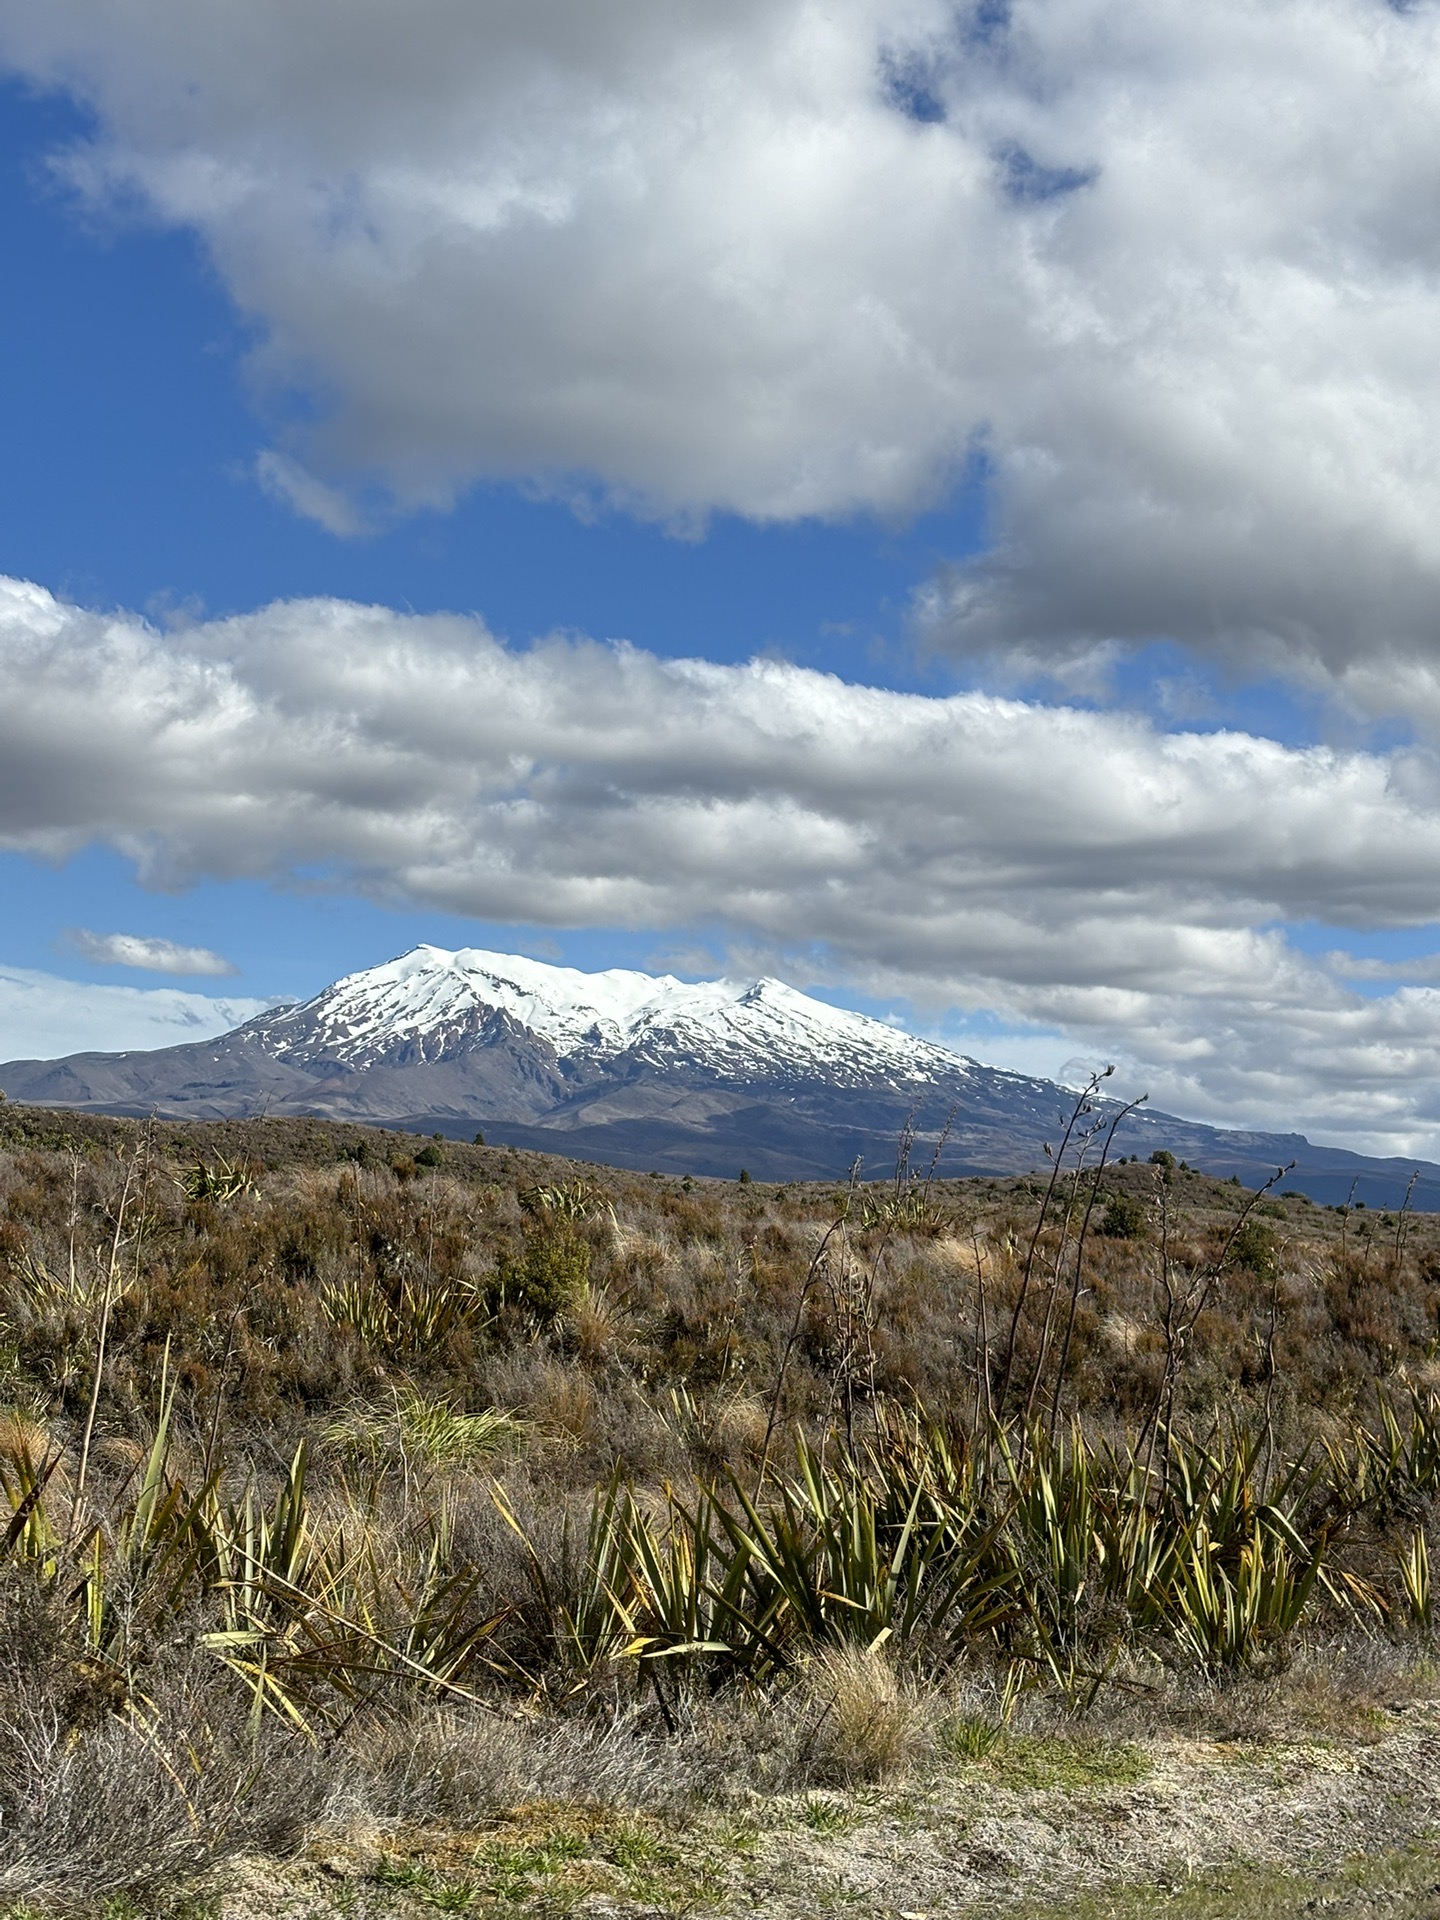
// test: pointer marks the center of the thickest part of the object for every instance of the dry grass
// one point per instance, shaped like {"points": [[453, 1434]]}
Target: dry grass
{"points": [[347, 1487], [101, 1797], [870, 1720]]}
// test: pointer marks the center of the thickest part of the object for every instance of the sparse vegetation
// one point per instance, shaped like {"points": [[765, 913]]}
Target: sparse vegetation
{"points": [[342, 1474]]}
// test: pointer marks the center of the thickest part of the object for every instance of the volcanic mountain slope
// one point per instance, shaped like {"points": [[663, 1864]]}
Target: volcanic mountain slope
{"points": [[643, 1071]]}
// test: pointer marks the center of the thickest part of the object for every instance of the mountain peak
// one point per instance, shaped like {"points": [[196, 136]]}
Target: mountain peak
{"points": [[438, 1000]]}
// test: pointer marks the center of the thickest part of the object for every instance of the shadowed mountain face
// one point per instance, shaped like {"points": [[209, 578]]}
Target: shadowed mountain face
{"points": [[644, 1072]]}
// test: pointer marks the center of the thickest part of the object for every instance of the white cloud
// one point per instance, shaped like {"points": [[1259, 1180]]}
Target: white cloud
{"points": [[308, 496], [1174, 268], [146, 951], [1045, 1056], [43, 1016], [1076, 872]]}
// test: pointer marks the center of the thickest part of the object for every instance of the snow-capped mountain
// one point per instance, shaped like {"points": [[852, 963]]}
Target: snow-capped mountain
{"points": [[641, 1071], [430, 1003]]}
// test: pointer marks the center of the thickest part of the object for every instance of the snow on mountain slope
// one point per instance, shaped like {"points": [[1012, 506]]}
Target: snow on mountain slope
{"points": [[433, 1002]]}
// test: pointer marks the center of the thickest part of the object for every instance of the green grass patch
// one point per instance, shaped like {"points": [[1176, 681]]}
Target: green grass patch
{"points": [[551, 1858], [446, 1893], [824, 1815], [186, 1904], [1049, 1763], [1402, 1886], [970, 1736]]}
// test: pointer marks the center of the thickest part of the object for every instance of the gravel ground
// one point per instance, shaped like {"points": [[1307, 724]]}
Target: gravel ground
{"points": [[1046, 1827]]}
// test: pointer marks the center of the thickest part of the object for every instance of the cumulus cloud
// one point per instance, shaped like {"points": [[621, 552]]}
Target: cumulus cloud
{"points": [[1349, 966], [1079, 870], [148, 952], [43, 1017], [1170, 274]]}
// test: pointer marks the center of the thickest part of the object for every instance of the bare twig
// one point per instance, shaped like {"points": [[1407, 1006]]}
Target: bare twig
{"points": [[107, 1303], [1082, 1107], [1094, 1195]]}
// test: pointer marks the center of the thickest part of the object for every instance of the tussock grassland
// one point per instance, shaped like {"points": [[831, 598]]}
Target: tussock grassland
{"points": [[522, 1536]]}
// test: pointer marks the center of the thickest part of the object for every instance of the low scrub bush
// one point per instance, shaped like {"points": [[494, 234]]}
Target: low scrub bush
{"points": [[486, 1479]]}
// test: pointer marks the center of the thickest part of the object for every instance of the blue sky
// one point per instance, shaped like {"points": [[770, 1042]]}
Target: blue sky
{"points": [[1062, 559], [127, 483]]}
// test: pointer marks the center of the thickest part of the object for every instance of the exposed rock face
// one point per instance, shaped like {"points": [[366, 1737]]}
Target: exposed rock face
{"points": [[648, 1072]]}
